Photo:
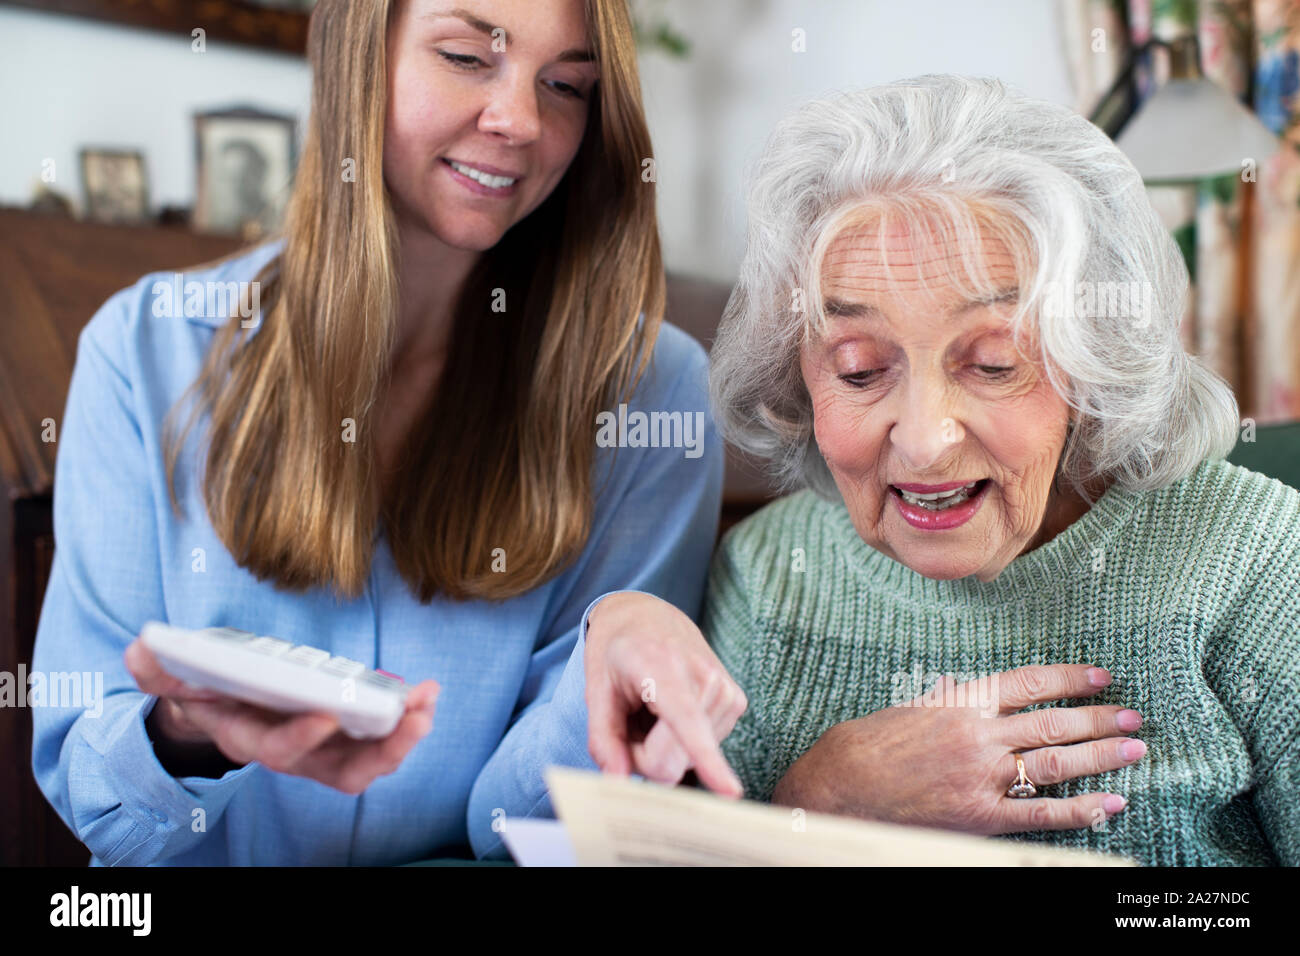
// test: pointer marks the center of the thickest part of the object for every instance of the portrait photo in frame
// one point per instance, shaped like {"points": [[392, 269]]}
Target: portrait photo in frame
{"points": [[115, 185], [245, 161]]}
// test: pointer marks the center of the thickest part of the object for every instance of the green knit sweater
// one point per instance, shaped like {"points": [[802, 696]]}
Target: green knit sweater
{"points": [[1189, 596]]}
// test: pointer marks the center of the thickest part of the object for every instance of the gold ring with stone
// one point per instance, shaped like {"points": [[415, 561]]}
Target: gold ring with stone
{"points": [[1022, 787]]}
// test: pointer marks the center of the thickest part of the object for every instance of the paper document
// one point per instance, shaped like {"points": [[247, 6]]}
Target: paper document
{"points": [[535, 842], [613, 821]]}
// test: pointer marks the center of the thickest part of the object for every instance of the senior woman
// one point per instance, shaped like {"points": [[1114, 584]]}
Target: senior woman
{"points": [[957, 326]]}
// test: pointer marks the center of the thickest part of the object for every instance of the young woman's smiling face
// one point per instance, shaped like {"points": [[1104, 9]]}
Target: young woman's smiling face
{"points": [[487, 105], [919, 391]]}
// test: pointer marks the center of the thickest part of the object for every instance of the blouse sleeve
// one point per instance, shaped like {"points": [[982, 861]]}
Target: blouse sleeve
{"points": [[95, 763], [656, 538]]}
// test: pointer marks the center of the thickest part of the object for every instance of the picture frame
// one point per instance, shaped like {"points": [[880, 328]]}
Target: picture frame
{"points": [[115, 185], [244, 164]]}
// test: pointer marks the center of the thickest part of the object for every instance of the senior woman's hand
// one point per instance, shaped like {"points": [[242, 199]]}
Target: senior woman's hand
{"points": [[658, 699], [931, 763]]}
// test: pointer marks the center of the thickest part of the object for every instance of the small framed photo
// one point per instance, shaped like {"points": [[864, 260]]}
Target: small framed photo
{"points": [[245, 164], [115, 184]]}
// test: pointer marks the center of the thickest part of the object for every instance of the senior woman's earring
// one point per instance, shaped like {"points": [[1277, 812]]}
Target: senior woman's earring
{"points": [[1022, 786]]}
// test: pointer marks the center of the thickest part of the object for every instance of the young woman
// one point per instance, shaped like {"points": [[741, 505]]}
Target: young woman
{"points": [[395, 461]]}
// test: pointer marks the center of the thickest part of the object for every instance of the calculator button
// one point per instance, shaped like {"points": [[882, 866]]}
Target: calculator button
{"points": [[342, 667], [382, 680], [234, 635], [311, 656], [271, 646]]}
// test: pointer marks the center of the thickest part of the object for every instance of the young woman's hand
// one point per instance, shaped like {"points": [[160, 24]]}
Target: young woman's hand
{"points": [[205, 733], [947, 758], [658, 700]]}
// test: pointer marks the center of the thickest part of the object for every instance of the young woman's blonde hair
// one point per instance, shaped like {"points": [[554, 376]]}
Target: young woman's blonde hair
{"points": [[501, 465]]}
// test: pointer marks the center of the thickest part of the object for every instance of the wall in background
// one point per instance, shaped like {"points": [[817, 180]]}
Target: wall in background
{"points": [[710, 114], [70, 82]]}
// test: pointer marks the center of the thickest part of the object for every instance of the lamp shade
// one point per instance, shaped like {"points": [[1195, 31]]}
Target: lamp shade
{"points": [[1194, 129]]}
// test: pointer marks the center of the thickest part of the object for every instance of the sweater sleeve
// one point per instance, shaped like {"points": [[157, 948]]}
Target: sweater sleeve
{"points": [[730, 628], [1254, 667]]}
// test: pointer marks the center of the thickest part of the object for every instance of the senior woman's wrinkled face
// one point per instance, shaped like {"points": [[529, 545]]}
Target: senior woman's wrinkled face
{"points": [[942, 437]]}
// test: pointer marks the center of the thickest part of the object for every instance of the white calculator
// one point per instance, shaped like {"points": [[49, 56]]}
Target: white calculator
{"points": [[281, 676]]}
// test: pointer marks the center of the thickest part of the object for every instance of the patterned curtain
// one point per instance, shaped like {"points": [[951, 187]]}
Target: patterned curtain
{"points": [[1240, 233]]}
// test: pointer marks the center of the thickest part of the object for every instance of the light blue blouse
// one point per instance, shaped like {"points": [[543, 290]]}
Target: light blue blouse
{"points": [[512, 699]]}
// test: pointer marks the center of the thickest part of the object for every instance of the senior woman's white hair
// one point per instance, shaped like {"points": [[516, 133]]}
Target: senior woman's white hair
{"points": [[969, 158]]}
